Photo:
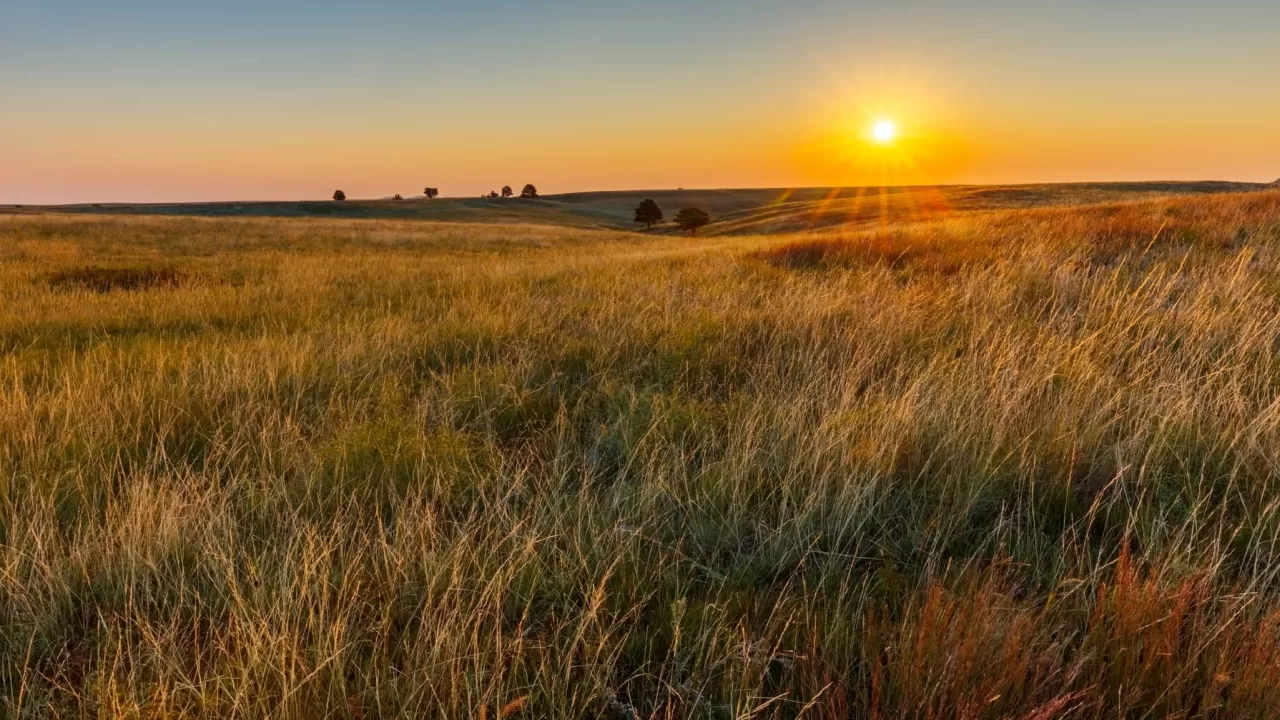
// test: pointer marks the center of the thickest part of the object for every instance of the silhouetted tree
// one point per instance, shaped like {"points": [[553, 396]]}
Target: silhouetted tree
{"points": [[691, 219], [507, 191], [648, 213], [339, 196], [431, 193], [397, 197], [529, 191], [493, 195]]}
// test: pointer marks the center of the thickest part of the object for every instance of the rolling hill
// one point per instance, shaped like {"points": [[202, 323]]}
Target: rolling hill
{"points": [[734, 212]]}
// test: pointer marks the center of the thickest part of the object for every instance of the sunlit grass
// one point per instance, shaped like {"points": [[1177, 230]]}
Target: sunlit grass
{"points": [[1013, 464]]}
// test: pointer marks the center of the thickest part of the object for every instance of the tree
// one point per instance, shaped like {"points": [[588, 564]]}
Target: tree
{"points": [[691, 219], [529, 191], [431, 193], [397, 197], [493, 195], [648, 213], [339, 196], [507, 191]]}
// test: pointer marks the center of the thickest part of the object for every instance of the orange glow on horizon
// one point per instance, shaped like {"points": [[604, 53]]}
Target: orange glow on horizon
{"points": [[890, 121]]}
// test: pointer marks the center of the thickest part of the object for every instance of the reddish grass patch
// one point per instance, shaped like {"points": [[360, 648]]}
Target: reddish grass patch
{"points": [[1102, 234], [1136, 643], [1219, 224], [934, 252]]}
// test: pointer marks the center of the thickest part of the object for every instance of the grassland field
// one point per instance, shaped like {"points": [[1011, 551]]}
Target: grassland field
{"points": [[963, 453], [750, 211]]}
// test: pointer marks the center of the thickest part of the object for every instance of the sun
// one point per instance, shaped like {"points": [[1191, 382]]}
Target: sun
{"points": [[884, 131]]}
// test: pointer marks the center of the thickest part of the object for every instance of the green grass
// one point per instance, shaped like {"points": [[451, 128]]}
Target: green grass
{"points": [[1012, 463]]}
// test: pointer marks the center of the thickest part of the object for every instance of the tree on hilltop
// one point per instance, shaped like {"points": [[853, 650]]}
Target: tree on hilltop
{"points": [[529, 191], [507, 191], [648, 213], [339, 196], [397, 197], [691, 219], [431, 193]]}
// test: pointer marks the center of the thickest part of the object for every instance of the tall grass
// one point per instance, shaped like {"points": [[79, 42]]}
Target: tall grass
{"points": [[1010, 465]]}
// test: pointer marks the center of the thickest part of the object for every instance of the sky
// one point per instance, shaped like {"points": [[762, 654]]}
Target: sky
{"points": [[167, 100]]}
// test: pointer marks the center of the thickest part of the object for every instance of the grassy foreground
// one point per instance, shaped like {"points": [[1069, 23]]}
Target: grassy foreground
{"points": [[1011, 464]]}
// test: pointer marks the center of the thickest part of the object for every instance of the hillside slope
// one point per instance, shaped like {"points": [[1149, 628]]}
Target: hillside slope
{"points": [[752, 211]]}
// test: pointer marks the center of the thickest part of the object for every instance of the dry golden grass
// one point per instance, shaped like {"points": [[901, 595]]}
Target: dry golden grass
{"points": [[1017, 464]]}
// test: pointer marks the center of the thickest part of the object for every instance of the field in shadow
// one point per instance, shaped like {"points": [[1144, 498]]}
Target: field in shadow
{"points": [[734, 212]]}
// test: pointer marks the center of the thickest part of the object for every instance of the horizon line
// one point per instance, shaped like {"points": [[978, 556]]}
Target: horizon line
{"points": [[905, 186]]}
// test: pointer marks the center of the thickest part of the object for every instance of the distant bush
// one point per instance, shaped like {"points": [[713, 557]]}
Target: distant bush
{"points": [[529, 191], [431, 193], [691, 219], [339, 196], [648, 213], [507, 191], [397, 197]]}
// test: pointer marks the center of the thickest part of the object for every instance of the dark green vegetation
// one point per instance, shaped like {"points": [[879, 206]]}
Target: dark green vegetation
{"points": [[648, 213], [691, 219], [1013, 463]]}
